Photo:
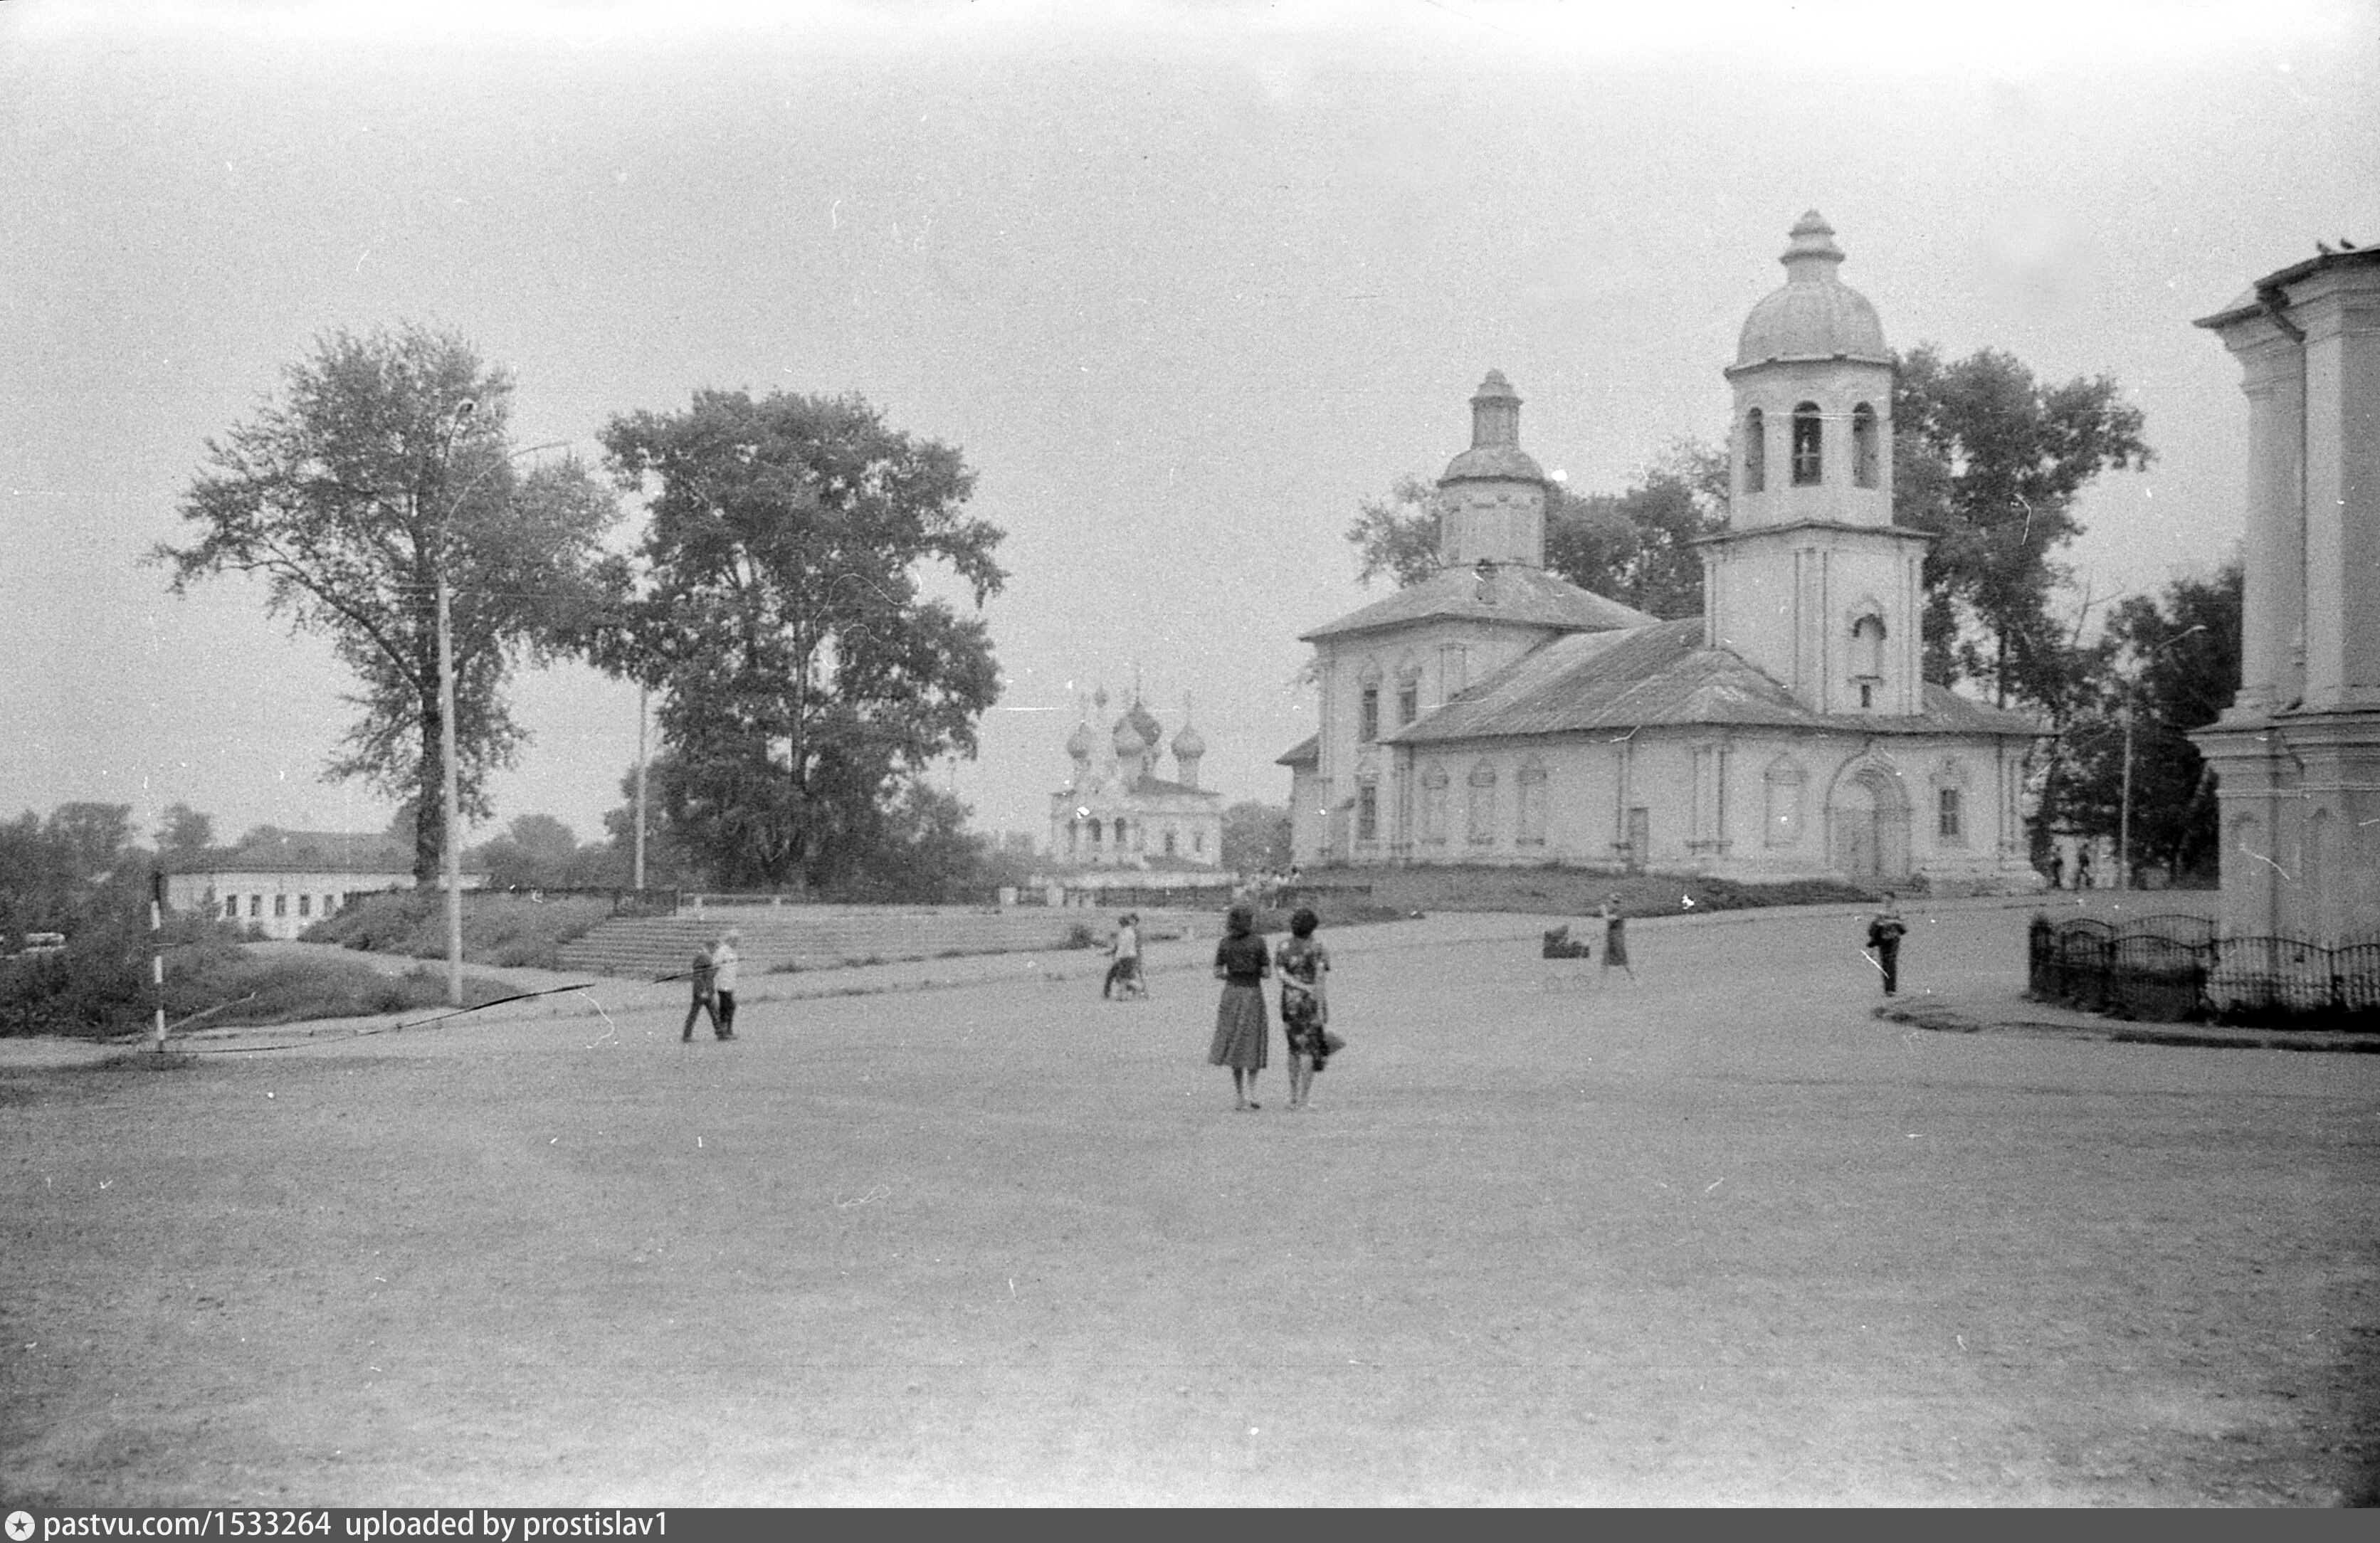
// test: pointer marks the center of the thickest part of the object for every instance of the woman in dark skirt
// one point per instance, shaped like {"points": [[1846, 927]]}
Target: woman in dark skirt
{"points": [[1242, 1030]]}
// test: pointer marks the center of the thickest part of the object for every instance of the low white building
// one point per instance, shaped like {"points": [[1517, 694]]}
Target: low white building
{"points": [[287, 882]]}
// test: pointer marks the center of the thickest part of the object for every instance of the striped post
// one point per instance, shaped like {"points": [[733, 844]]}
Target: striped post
{"points": [[157, 947]]}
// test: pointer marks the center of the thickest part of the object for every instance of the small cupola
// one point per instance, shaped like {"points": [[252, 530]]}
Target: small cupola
{"points": [[1491, 499]]}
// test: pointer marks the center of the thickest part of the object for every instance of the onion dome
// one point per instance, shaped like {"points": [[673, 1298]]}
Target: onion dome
{"points": [[1145, 723], [1495, 452], [1816, 315], [1079, 743], [1128, 742], [1188, 744]]}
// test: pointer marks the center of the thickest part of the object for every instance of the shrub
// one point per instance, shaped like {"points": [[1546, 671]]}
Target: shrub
{"points": [[506, 932]]}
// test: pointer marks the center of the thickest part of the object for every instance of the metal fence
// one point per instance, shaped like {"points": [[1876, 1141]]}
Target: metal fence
{"points": [[2174, 968]]}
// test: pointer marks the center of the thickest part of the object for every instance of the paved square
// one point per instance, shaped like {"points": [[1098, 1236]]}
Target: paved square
{"points": [[1717, 1236]]}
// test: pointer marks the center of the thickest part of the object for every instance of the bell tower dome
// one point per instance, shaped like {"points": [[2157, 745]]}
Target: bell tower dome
{"points": [[1491, 499], [1810, 580]]}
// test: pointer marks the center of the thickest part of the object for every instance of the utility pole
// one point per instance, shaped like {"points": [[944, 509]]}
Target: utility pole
{"points": [[641, 720]]}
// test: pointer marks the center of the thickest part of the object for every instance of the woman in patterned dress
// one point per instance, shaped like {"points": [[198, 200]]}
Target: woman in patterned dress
{"points": [[1242, 1029], [1304, 967]]}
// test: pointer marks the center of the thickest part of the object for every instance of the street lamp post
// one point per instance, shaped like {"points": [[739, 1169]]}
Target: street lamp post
{"points": [[450, 784], [2124, 813]]}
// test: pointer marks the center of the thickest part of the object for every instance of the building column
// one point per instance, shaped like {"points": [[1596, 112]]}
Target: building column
{"points": [[2272, 639], [2339, 310]]}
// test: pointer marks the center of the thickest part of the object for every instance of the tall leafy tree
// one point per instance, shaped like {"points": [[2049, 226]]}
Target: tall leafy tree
{"points": [[805, 675], [2172, 662], [1991, 460], [385, 459], [183, 832]]}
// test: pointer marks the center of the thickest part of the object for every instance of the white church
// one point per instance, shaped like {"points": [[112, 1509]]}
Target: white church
{"points": [[1495, 713], [1116, 812]]}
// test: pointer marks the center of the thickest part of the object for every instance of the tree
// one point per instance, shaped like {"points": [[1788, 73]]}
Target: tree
{"points": [[802, 673], [1991, 460], [1256, 837], [1634, 546], [182, 831], [538, 851], [385, 459], [2176, 664]]}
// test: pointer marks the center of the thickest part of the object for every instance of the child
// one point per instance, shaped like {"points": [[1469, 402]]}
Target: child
{"points": [[1615, 940], [1304, 969]]}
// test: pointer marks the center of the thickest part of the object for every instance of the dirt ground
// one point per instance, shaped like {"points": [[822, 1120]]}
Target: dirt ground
{"points": [[1718, 1235]]}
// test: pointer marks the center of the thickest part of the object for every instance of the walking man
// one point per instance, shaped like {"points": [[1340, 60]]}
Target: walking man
{"points": [[704, 1000], [723, 961], [1884, 934]]}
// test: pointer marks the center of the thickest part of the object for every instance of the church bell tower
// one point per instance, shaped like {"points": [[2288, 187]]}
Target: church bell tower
{"points": [[1810, 580]]}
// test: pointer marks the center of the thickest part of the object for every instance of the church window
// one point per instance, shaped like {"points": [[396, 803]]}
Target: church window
{"points": [[231, 907], [1368, 726], [1806, 467], [280, 905], [1408, 702], [1755, 451], [256, 905], [1867, 646], [1529, 806], [1367, 812], [1433, 805], [1482, 804], [1098, 830], [305, 905], [1119, 836], [1866, 468], [1198, 843], [1950, 802], [1169, 843]]}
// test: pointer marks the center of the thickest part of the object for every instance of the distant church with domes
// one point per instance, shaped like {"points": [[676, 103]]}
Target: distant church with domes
{"points": [[1495, 712], [1116, 812]]}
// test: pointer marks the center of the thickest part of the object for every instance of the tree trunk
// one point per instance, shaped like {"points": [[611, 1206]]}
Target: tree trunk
{"points": [[430, 797]]}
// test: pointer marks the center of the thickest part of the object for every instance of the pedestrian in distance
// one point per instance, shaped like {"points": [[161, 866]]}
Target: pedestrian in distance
{"points": [[724, 963], [2056, 869], [1241, 1031], [1884, 934], [704, 976], [1123, 961], [1304, 967], [1615, 940]]}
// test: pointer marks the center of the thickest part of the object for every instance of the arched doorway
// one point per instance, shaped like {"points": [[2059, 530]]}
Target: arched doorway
{"points": [[1867, 824]]}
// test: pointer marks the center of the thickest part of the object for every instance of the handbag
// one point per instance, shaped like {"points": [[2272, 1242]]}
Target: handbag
{"points": [[1331, 1043]]}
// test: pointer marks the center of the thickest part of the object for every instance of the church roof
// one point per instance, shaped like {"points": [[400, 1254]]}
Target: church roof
{"points": [[1305, 752], [1816, 315], [1510, 593], [1662, 675]]}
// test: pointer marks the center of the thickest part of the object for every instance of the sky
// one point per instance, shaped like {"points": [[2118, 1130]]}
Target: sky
{"points": [[1184, 283]]}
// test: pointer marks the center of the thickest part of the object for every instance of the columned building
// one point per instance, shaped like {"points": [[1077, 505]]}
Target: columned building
{"points": [[2298, 754], [1496, 713]]}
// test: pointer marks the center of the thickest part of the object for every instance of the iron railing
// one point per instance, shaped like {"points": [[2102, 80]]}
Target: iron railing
{"points": [[2174, 968]]}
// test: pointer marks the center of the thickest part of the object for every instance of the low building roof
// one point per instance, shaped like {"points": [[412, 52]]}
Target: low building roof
{"points": [[309, 852], [1305, 752], [1513, 593], [1660, 676]]}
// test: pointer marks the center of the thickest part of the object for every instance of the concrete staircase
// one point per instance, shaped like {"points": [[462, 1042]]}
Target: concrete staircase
{"points": [[822, 937]]}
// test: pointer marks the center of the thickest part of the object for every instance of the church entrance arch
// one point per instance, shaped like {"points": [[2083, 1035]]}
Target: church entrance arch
{"points": [[1868, 823]]}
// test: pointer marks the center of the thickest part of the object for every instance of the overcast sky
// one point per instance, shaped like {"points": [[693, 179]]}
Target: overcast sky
{"points": [[1184, 283]]}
